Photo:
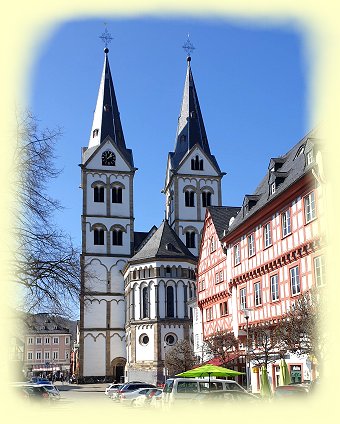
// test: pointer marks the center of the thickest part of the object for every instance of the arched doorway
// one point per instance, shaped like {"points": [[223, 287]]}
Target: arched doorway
{"points": [[118, 367]]}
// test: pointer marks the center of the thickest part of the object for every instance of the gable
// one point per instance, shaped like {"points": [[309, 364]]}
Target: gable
{"points": [[92, 157], [196, 158]]}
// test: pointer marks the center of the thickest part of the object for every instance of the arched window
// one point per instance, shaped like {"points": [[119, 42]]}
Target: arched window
{"points": [[117, 237], [117, 195], [189, 198], [98, 193], [206, 198], [98, 236], [145, 302], [170, 301], [197, 164], [190, 239]]}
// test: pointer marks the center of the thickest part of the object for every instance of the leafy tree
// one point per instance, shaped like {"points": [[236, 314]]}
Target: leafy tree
{"points": [[180, 358], [45, 263], [223, 346]]}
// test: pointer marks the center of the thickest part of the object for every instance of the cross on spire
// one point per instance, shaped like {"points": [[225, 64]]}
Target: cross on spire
{"points": [[106, 37], [188, 46]]}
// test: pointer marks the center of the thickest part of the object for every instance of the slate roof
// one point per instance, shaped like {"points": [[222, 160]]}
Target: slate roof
{"points": [[221, 216], [190, 129], [106, 115], [163, 244], [141, 237], [288, 169], [44, 323]]}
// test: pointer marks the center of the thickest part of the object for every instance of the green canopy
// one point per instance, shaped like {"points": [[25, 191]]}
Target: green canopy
{"points": [[209, 370], [265, 390], [284, 373]]}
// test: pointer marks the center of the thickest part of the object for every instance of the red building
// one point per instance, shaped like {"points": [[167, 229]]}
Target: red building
{"points": [[269, 254]]}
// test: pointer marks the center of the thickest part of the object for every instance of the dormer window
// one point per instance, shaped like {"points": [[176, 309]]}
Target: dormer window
{"points": [[193, 114], [197, 164], [95, 133], [272, 188], [107, 108], [183, 137], [309, 157]]}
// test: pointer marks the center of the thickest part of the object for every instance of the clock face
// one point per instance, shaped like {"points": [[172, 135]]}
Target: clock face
{"points": [[108, 158]]}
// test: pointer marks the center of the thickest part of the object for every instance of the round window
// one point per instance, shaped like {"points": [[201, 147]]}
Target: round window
{"points": [[170, 339], [144, 339]]}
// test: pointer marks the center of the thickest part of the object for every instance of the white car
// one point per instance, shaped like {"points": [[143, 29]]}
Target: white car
{"points": [[112, 388], [129, 398], [146, 399]]}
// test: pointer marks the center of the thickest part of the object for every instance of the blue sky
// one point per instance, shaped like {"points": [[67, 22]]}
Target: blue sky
{"points": [[251, 80]]}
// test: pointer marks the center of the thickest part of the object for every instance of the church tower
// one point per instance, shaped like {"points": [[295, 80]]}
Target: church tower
{"points": [[107, 172], [193, 177]]}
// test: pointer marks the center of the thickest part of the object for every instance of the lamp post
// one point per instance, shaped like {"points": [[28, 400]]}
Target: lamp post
{"points": [[246, 313], [164, 346]]}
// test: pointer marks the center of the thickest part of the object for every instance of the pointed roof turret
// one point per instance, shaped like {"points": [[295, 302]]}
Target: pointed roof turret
{"points": [[190, 129], [106, 120]]}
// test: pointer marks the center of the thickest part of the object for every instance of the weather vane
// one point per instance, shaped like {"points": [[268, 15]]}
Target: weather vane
{"points": [[106, 37], [188, 46]]}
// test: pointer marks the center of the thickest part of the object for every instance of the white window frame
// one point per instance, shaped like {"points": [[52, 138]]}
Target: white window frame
{"points": [[38, 356], [309, 157], [55, 355], [47, 354], [319, 270], [257, 294], [295, 280], [286, 223], [55, 340], [30, 356], [237, 254], [274, 287], [47, 340], [243, 298], [309, 204], [267, 234], [30, 341], [38, 340], [251, 245]]}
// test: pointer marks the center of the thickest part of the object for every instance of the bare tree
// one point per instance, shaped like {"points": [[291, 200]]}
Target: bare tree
{"points": [[223, 346], [180, 358], [46, 264]]}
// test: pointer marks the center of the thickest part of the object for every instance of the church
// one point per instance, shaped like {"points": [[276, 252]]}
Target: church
{"points": [[136, 285]]}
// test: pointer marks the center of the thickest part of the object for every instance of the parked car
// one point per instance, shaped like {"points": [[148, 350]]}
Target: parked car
{"points": [[177, 389], [34, 392], [225, 396], [130, 386], [112, 388], [145, 399], [129, 397], [39, 380], [291, 390], [52, 390]]}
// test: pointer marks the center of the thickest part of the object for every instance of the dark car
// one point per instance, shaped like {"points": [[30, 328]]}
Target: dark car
{"points": [[33, 392]]}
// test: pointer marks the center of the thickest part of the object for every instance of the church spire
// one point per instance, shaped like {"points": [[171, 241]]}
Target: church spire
{"points": [[190, 129], [106, 120]]}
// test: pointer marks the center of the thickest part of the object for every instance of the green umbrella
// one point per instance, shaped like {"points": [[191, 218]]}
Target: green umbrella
{"points": [[284, 373], [209, 370], [265, 386]]}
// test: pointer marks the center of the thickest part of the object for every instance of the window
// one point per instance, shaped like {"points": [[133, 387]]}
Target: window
{"points": [[98, 237], [67, 354], [217, 277], [267, 235], [212, 245], [257, 294], [223, 309], [221, 276], [117, 237], [170, 302], [272, 188], [46, 354], [251, 245], [55, 355], [209, 313], [30, 340], [30, 356], [145, 302], [170, 339], [243, 298], [286, 229], [237, 255], [190, 239], [143, 340], [309, 157], [98, 193], [206, 198], [117, 195], [274, 287], [319, 270], [47, 340], [95, 132], [67, 340], [310, 212], [201, 285], [38, 355], [38, 340], [189, 198], [294, 280], [197, 164], [55, 340]]}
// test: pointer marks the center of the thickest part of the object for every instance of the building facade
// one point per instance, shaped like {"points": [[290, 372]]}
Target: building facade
{"points": [[269, 254], [111, 324]]}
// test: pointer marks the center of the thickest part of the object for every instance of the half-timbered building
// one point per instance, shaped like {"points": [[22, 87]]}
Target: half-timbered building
{"points": [[269, 254]]}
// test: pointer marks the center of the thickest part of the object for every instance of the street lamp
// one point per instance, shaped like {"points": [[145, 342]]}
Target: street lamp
{"points": [[246, 313], [164, 346]]}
